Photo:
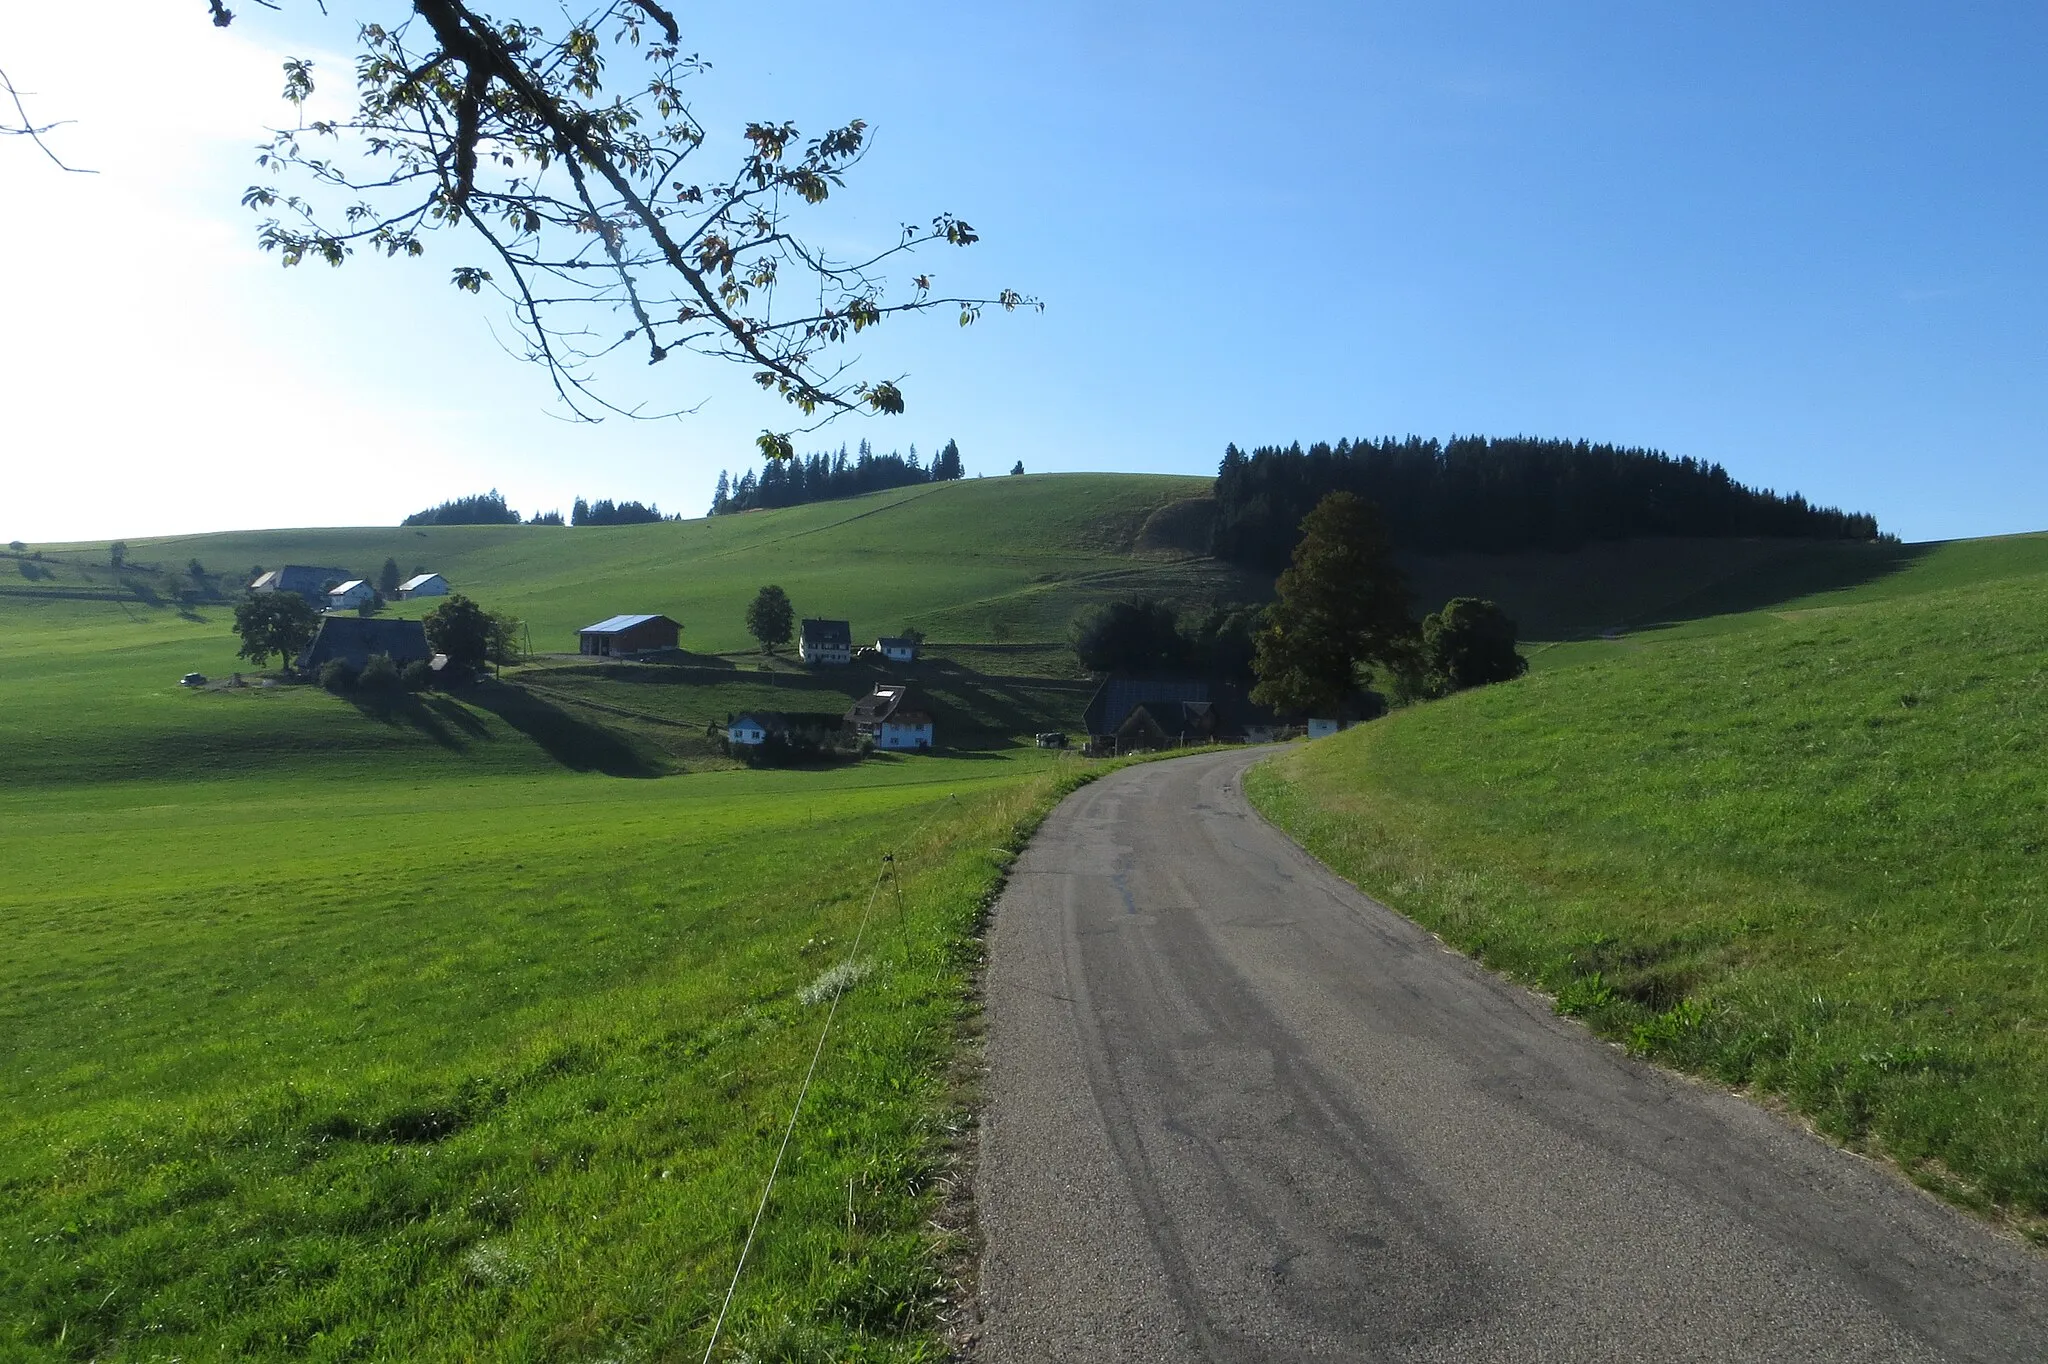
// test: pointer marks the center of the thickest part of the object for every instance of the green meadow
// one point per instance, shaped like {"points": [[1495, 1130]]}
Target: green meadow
{"points": [[465, 1026], [1802, 850]]}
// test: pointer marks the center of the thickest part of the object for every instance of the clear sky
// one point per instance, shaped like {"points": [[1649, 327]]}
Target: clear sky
{"points": [[1804, 241]]}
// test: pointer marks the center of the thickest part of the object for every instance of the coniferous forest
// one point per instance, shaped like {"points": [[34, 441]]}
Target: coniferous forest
{"points": [[820, 478], [1477, 493]]}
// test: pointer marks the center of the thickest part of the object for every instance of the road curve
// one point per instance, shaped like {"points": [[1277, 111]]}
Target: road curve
{"points": [[1238, 1111]]}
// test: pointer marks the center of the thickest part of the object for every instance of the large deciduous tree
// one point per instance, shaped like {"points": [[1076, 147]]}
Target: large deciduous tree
{"points": [[770, 618], [280, 623], [467, 633], [1342, 607], [570, 160]]}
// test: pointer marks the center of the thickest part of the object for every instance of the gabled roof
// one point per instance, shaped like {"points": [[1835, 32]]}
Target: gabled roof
{"points": [[828, 632], [353, 639], [1119, 696], [910, 718], [760, 719], [410, 583], [265, 582], [351, 585], [618, 625], [1174, 704], [887, 642]]}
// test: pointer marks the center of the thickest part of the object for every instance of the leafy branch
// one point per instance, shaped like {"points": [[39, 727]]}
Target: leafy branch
{"points": [[580, 185]]}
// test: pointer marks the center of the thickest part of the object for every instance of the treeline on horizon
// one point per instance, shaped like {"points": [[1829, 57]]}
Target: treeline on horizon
{"points": [[822, 478], [490, 509], [1497, 496]]}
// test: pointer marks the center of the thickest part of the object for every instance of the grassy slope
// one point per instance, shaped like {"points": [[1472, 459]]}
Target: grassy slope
{"points": [[1799, 849], [979, 559], [974, 562]]}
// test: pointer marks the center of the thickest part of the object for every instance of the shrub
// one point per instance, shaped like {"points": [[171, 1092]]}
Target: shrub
{"points": [[379, 674], [417, 675], [1470, 643], [337, 676]]}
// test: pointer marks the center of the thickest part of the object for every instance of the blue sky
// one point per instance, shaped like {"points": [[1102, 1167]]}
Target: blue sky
{"points": [[1803, 241]]}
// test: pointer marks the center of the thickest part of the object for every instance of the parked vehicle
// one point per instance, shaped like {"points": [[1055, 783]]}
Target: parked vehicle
{"points": [[1052, 739], [192, 680]]}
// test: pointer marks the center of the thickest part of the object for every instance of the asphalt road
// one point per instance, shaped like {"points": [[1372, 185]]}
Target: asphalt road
{"points": [[1238, 1111]]}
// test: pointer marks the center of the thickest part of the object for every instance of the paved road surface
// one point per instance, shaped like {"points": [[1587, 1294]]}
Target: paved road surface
{"points": [[1238, 1111]]}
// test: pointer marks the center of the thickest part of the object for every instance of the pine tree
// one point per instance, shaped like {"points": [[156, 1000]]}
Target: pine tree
{"points": [[1342, 605]]}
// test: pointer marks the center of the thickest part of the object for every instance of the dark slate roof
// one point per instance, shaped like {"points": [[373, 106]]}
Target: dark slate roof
{"points": [[1115, 699], [354, 638], [896, 642], [1174, 703], [828, 632], [618, 625]]}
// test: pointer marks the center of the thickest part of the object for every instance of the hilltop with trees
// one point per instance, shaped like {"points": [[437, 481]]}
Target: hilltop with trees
{"points": [[1483, 495], [821, 478]]}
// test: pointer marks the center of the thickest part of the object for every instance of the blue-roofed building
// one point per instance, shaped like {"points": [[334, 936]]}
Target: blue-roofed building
{"points": [[628, 635]]}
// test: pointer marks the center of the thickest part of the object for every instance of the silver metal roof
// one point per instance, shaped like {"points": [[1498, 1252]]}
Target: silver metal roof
{"points": [[616, 625]]}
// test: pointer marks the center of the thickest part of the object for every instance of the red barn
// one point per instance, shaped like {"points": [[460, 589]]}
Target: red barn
{"points": [[628, 635]]}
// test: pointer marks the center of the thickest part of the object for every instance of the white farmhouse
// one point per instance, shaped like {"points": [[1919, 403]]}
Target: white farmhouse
{"points": [[897, 649], [825, 641], [424, 585], [905, 729], [750, 729], [350, 595]]}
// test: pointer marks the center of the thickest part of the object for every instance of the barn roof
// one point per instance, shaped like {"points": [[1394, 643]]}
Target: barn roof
{"points": [[351, 585], [895, 642], [410, 583], [618, 625], [912, 718]]}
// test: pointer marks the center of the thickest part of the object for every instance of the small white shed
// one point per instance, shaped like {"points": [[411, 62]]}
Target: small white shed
{"points": [[350, 595], [425, 585]]}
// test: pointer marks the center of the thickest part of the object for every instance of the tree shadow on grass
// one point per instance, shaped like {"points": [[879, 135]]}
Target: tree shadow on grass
{"points": [[436, 718], [574, 743]]}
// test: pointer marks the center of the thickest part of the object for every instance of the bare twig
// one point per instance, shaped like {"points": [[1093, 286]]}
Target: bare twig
{"points": [[34, 131]]}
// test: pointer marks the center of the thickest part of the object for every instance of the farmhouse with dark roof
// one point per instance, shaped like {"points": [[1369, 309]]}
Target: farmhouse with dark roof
{"points": [[354, 639], [825, 641]]}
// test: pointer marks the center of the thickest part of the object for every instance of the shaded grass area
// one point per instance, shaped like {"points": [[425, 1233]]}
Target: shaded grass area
{"points": [[682, 710], [1801, 852], [440, 1069]]}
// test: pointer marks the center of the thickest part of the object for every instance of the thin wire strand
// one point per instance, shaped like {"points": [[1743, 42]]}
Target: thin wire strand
{"points": [[839, 988]]}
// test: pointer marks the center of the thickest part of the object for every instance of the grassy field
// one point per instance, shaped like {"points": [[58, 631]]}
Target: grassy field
{"points": [[428, 1060], [458, 1030], [1800, 850], [465, 1027]]}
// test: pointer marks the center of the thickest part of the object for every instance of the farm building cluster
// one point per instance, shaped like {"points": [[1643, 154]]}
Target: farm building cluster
{"points": [[337, 589], [831, 642], [884, 717]]}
